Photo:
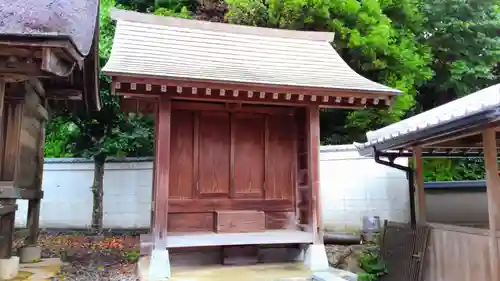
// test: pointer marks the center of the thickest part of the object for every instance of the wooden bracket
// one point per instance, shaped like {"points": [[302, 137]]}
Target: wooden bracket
{"points": [[16, 66], [54, 64], [7, 208], [65, 94]]}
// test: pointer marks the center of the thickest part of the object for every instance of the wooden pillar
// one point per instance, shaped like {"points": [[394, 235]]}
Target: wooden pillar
{"points": [[6, 219], [312, 122], [35, 203], [419, 185], [493, 193], [161, 175]]}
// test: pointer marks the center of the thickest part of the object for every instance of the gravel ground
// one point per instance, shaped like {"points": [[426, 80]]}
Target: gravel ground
{"points": [[109, 258], [83, 272]]}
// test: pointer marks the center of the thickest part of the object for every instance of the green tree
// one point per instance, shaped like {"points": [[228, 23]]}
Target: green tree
{"points": [[465, 41], [378, 39], [108, 132], [101, 134]]}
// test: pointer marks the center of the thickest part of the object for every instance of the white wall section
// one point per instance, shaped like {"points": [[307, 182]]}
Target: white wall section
{"points": [[351, 186]]}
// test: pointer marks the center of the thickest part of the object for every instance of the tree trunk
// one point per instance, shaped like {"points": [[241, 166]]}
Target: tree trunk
{"points": [[98, 193]]}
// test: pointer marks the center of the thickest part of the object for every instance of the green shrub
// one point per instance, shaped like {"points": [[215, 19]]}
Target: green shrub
{"points": [[371, 262]]}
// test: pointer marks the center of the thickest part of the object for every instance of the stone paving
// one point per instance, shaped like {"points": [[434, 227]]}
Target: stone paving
{"points": [[44, 270]]}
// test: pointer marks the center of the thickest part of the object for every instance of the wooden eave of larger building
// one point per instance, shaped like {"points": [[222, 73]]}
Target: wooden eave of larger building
{"points": [[55, 49]]}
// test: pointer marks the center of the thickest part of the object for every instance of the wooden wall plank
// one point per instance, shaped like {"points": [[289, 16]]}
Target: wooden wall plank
{"points": [[446, 250], [13, 113], [182, 154], [212, 205], [248, 155], [279, 179], [280, 220], [191, 222], [32, 126], [214, 164], [240, 221]]}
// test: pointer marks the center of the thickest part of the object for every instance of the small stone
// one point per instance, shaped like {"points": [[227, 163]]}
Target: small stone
{"points": [[353, 266]]}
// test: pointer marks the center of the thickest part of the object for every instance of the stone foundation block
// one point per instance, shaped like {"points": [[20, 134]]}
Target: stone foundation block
{"points": [[30, 254], [315, 258], [9, 268]]}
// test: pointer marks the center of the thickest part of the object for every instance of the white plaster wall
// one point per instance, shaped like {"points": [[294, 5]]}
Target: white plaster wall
{"points": [[351, 186], [67, 201]]}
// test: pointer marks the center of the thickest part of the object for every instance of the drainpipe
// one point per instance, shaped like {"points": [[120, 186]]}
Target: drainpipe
{"points": [[409, 176]]}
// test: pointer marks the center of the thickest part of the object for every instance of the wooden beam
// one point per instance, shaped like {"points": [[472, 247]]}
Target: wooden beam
{"points": [[65, 46], [53, 64], [162, 173], [20, 66], [240, 108], [493, 194], [255, 87], [2, 125], [245, 99], [66, 94], [419, 185], [8, 208], [313, 167], [7, 192], [212, 205]]}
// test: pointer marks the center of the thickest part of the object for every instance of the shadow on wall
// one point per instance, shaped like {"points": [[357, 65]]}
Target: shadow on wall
{"points": [[457, 202]]}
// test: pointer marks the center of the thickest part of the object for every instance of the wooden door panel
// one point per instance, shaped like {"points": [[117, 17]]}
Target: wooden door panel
{"points": [[214, 158], [248, 146], [280, 160], [181, 155]]}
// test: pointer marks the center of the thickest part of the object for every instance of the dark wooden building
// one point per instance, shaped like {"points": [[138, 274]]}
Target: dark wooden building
{"points": [[237, 124], [48, 58]]}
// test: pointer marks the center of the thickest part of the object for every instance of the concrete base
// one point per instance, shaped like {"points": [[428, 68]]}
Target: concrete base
{"points": [[159, 265], [9, 268], [259, 272], [315, 258], [334, 274], [30, 254], [326, 276]]}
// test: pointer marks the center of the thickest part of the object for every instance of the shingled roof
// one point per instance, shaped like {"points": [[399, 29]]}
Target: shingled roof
{"points": [[72, 19], [173, 48], [481, 107]]}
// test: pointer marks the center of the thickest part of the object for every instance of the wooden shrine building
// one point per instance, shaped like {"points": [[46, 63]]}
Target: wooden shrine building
{"points": [[237, 119], [48, 59], [466, 127]]}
